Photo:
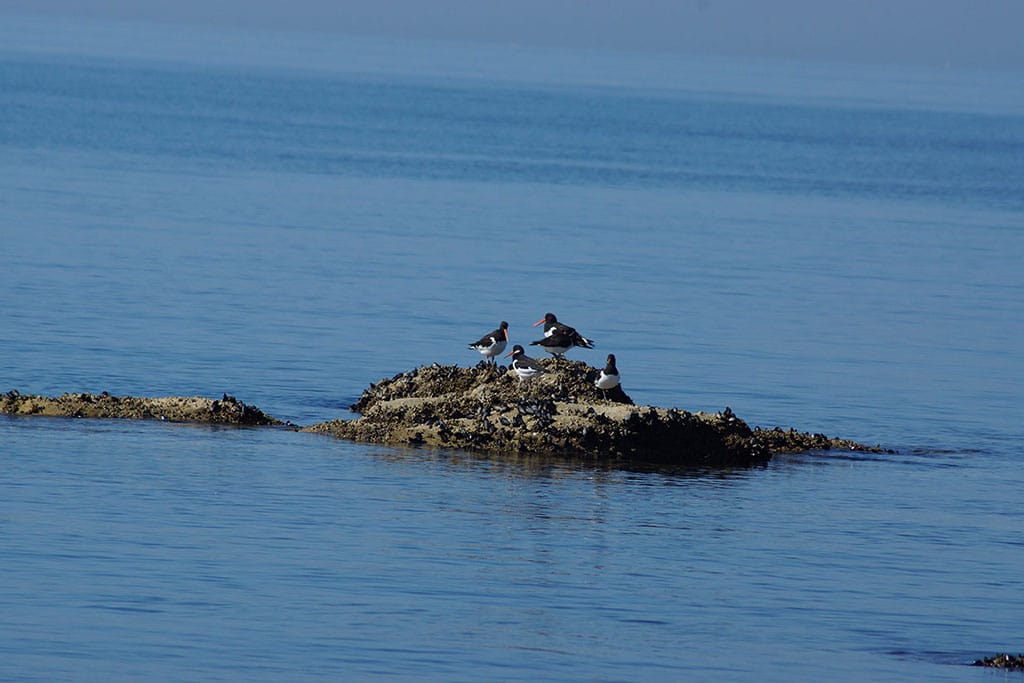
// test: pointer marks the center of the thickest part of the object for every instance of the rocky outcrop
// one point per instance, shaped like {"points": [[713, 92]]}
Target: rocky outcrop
{"points": [[487, 409], [779, 440], [559, 414], [227, 410], [1002, 661]]}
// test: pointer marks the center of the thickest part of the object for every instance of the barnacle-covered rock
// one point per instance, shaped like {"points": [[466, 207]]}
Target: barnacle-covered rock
{"points": [[559, 414], [225, 410]]}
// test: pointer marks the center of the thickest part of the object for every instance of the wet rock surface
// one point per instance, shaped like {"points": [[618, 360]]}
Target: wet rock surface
{"points": [[559, 414], [778, 440], [1003, 661], [227, 410], [487, 409]]}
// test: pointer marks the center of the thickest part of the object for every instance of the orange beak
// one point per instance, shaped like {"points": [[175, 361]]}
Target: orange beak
{"points": [[509, 354], [506, 333], [539, 322]]}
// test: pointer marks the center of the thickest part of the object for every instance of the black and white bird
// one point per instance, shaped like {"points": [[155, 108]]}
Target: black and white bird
{"points": [[609, 377], [525, 367], [552, 326], [556, 344], [493, 343]]}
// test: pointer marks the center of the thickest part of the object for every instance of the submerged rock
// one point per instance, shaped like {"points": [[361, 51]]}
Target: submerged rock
{"points": [[780, 440], [1003, 661], [561, 414], [226, 410]]}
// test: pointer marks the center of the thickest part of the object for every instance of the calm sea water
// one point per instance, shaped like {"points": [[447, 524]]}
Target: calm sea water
{"points": [[289, 218]]}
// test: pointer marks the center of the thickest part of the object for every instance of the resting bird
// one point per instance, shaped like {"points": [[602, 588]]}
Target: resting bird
{"points": [[552, 326], [557, 344], [609, 377], [493, 343], [525, 367]]}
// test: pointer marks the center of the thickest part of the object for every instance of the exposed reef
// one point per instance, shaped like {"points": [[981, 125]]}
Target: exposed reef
{"points": [[779, 440], [1003, 661], [559, 414], [227, 410], [487, 409]]}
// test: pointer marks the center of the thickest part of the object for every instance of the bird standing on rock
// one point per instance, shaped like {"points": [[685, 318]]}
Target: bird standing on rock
{"points": [[525, 367], [492, 344], [609, 377], [556, 344], [552, 326]]}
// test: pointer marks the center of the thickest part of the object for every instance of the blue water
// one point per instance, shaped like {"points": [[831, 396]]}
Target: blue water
{"points": [[288, 218]]}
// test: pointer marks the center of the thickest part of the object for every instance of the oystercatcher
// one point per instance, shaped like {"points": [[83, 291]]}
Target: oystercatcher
{"points": [[609, 377], [551, 326], [525, 367], [493, 343], [556, 344]]}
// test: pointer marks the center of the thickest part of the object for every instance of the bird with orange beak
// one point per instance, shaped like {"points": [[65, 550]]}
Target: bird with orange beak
{"points": [[493, 343], [525, 367], [553, 327]]}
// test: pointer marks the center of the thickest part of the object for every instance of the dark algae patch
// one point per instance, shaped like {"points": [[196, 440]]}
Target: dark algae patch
{"points": [[487, 409]]}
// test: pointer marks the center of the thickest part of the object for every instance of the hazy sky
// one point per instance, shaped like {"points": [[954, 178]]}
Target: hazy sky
{"points": [[966, 33]]}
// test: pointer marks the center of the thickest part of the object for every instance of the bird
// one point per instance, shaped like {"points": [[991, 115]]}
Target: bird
{"points": [[609, 377], [492, 343], [551, 326], [556, 344], [525, 367]]}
